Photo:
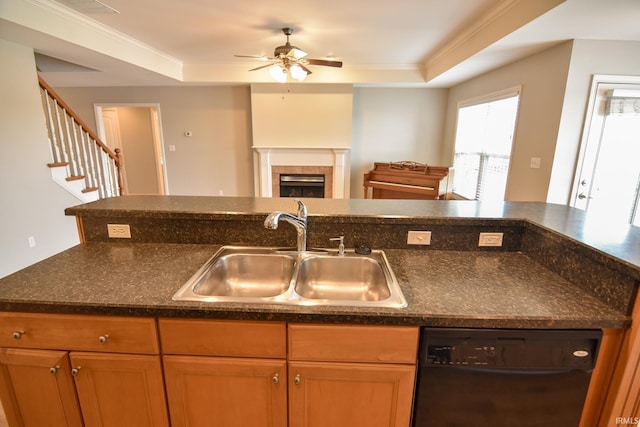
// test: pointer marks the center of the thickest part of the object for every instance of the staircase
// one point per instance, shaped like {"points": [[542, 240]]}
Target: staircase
{"points": [[81, 163]]}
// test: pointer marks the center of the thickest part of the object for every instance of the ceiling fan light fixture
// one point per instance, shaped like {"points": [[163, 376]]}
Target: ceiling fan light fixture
{"points": [[278, 73], [297, 72], [290, 60]]}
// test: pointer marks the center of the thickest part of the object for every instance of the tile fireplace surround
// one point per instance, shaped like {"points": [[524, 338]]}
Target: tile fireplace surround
{"points": [[269, 162]]}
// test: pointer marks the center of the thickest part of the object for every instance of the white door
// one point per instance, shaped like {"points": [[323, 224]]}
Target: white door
{"points": [[608, 181]]}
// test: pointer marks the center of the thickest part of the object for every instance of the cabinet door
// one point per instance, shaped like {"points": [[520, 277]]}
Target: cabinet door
{"points": [[219, 391], [350, 394], [119, 389], [37, 389]]}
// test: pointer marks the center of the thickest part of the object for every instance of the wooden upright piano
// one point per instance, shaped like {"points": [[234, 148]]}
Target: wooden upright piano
{"points": [[407, 180]]}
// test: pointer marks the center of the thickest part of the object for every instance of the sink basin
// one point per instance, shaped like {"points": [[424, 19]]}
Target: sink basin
{"points": [[281, 276], [237, 273], [246, 275], [357, 278]]}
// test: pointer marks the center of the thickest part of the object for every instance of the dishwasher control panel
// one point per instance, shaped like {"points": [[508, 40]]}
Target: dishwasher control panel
{"points": [[509, 349], [480, 355]]}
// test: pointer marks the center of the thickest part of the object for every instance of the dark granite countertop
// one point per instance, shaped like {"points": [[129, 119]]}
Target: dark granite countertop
{"points": [[558, 269], [443, 288]]}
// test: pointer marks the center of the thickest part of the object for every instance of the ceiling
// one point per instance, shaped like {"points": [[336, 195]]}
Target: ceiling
{"points": [[430, 43]]}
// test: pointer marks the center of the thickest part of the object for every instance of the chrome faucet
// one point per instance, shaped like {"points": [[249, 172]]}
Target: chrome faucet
{"points": [[299, 222]]}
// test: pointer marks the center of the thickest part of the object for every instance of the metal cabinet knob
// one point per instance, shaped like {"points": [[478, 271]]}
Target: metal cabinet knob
{"points": [[102, 339], [275, 379], [296, 379], [54, 370], [17, 335], [75, 371]]}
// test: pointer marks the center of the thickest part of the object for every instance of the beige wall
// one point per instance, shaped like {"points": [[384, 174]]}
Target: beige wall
{"points": [[216, 159], [32, 204], [378, 124], [555, 90], [395, 124], [299, 115], [543, 79]]}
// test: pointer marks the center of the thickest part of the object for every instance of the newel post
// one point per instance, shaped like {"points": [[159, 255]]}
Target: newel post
{"points": [[119, 164]]}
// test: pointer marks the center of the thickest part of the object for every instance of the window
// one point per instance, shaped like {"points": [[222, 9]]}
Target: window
{"points": [[484, 136]]}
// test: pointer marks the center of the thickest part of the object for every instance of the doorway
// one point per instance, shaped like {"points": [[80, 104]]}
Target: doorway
{"points": [[607, 182], [135, 129]]}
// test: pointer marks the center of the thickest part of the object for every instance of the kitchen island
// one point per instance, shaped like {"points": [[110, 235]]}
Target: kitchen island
{"points": [[556, 268]]}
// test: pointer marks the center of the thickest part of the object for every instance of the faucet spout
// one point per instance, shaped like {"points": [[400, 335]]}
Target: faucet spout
{"points": [[299, 222]]}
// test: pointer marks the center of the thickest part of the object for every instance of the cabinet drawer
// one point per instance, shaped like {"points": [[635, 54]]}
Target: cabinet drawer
{"points": [[79, 332], [223, 338], [353, 343]]}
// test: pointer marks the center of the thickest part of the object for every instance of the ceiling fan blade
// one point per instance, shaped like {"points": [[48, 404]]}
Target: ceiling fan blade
{"points": [[262, 66], [324, 62], [296, 53], [260, 57]]}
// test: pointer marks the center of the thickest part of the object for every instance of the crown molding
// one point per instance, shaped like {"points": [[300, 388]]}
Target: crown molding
{"points": [[490, 27]]}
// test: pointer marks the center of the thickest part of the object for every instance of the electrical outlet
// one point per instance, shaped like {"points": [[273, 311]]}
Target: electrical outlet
{"points": [[490, 239], [535, 163], [419, 238], [119, 231]]}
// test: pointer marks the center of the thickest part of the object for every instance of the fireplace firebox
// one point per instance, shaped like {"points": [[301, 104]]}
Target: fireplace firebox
{"points": [[302, 185]]}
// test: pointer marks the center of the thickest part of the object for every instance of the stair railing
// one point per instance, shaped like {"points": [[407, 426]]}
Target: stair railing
{"points": [[74, 145]]}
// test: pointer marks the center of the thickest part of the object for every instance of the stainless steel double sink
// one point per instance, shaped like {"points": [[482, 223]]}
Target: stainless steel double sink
{"points": [[247, 274]]}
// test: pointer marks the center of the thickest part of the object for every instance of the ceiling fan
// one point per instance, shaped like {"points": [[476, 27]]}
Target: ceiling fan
{"points": [[289, 59]]}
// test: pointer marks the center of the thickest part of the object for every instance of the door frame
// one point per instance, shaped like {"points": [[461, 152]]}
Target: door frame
{"points": [[156, 127], [591, 133]]}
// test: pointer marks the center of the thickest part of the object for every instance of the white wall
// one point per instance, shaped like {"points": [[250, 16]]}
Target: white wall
{"points": [[395, 124], [32, 204], [217, 159], [543, 77]]}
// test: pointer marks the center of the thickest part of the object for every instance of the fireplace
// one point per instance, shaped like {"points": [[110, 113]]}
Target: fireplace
{"points": [[309, 173], [270, 163], [302, 185]]}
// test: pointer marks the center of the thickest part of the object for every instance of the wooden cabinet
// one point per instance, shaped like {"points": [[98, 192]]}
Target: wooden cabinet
{"points": [[225, 373], [35, 390], [236, 373], [119, 389], [350, 376], [106, 371], [73, 370]]}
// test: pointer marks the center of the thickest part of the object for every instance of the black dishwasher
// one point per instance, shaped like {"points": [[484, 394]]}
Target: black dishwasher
{"points": [[495, 378]]}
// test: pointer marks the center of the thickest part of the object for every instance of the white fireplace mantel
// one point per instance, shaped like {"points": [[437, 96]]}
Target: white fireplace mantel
{"points": [[264, 158]]}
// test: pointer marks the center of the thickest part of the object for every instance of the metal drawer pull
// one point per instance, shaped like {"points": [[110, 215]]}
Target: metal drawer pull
{"points": [[54, 370], [17, 335], [296, 379], [276, 379], [102, 339], [75, 371]]}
